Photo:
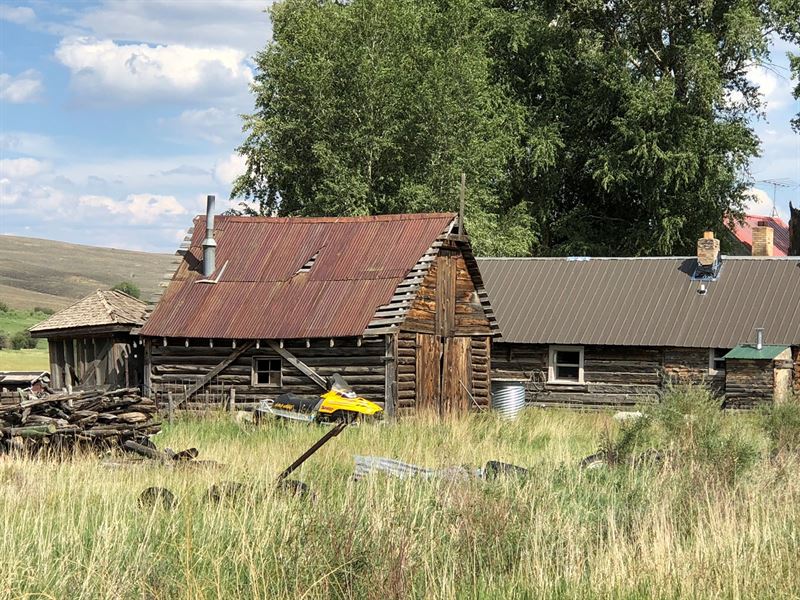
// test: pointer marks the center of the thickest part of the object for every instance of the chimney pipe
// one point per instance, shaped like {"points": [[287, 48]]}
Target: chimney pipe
{"points": [[209, 245], [759, 338]]}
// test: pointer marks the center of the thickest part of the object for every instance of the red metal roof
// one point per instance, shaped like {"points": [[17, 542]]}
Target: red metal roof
{"points": [[744, 232], [260, 294]]}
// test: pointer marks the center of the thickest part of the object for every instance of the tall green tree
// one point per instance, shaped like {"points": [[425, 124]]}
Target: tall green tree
{"points": [[377, 106], [585, 126], [642, 110]]}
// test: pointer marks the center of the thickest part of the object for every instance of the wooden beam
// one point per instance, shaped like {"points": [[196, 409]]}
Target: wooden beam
{"points": [[300, 365], [191, 390]]}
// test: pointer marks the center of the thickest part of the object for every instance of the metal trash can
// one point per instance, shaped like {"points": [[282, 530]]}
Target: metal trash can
{"points": [[508, 397]]}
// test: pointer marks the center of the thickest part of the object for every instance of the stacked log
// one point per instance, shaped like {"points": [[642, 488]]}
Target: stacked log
{"points": [[64, 421]]}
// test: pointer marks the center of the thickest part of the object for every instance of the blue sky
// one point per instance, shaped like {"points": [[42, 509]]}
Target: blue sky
{"points": [[117, 117]]}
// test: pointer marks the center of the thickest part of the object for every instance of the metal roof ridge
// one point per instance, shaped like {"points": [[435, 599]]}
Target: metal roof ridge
{"points": [[642, 258], [343, 219]]}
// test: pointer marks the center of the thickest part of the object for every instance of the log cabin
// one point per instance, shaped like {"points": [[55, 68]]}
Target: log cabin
{"points": [[267, 305], [599, 332], [92, 343]]}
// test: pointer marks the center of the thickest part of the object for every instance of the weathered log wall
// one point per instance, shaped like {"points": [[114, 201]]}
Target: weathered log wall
{"points": [[613, 375], [98, 361], [447, 303], [748, 383], [175, 367]]}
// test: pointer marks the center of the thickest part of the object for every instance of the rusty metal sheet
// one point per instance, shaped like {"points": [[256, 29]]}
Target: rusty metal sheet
{"points": [[260, 295], [643, 301]]}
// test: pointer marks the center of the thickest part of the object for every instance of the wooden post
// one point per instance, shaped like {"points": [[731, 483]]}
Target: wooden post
{"points": [[390, 366], [232, 405], [170, 408], [461, 203]]}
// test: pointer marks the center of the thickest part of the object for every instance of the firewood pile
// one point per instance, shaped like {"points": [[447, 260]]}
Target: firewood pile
{"points": [[64, 421]]}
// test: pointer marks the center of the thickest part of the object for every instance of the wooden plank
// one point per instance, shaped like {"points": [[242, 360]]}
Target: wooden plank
{"points": [[191, 390], [300, 365], [390, 384]]}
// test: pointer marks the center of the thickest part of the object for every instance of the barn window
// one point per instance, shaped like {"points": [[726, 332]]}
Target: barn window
{"points": [[266, 371], [566, 364], [716, 360]]}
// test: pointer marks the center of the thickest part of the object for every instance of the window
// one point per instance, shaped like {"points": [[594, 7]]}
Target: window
{"points": [[566, 364], [266, 371], [716, 362]]}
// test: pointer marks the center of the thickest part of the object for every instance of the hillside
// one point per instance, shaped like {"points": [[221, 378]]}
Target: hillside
{"points": [[48, 274]]}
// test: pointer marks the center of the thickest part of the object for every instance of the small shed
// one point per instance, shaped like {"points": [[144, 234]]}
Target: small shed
{"points": [[757, 373], [91, 342]]}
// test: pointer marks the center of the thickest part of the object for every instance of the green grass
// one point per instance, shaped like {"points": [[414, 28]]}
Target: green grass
{"points": [[25, 360], [11, 322], [73, 529]]}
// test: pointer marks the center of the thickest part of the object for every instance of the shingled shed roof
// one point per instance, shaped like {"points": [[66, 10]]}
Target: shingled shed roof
{"points": [[291, 278], [643, 301], [100, 309]]}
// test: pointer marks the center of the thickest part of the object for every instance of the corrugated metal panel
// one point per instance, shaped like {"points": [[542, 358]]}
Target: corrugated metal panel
{"points": [[751, 352], [359, 263], [643, 301]]}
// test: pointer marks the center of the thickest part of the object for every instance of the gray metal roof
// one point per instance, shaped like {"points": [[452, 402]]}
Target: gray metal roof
{"points": [[643, 301]]}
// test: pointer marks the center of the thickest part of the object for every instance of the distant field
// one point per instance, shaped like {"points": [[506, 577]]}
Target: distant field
{"points": [[13, 321], [25, 360], [50, 274]]}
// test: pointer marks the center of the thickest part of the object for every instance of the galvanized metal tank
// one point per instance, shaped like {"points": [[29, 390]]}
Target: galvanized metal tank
{"points": [[508, 397]]}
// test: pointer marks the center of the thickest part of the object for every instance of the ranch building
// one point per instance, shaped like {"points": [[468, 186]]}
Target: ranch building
{"points": [[596, 332], [265, 305]]}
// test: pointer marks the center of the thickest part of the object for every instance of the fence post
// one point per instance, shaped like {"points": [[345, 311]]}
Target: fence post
{"points": [[232, 405]]}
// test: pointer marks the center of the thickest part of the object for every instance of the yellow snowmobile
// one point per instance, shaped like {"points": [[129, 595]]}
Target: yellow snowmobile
{"points": [[339, 404]]}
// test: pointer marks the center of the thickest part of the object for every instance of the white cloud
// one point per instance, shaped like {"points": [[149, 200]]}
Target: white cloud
{"points": [[228, 169], [241, 24], [22, 142], [141, 208], [214, 125], [775, 89], [103, 71], [759, 202], [25, 87], [20, 15], [21, 168]]}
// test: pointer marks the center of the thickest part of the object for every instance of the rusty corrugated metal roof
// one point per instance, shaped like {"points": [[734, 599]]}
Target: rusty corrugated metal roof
{"points": [[358, 263], [643, 301]]}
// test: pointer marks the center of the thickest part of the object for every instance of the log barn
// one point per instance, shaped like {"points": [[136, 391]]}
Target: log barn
{"points": [[92, 343], [264, 305], [595, 332]]}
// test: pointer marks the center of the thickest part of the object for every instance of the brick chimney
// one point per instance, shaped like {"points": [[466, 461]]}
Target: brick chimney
{"points": [[763, 239], [707, 249]]}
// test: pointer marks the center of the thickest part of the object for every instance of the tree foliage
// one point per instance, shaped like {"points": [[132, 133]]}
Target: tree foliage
{"points": [[128, 287], [584, 126]]}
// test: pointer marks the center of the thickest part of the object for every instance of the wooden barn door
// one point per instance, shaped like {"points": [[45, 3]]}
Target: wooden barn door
{"points": [[429, 372], [456, 375], [444, 374]]}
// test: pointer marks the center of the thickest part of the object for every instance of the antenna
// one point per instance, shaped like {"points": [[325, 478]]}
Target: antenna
{"points": [[783, 182]]}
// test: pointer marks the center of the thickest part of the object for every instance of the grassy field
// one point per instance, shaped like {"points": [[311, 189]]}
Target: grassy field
{"points": [[25, 360], [679, 528], [12, 321], [36, 272]]}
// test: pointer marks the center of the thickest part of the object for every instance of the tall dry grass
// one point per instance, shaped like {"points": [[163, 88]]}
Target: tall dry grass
{"points": [[74, 529]]}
